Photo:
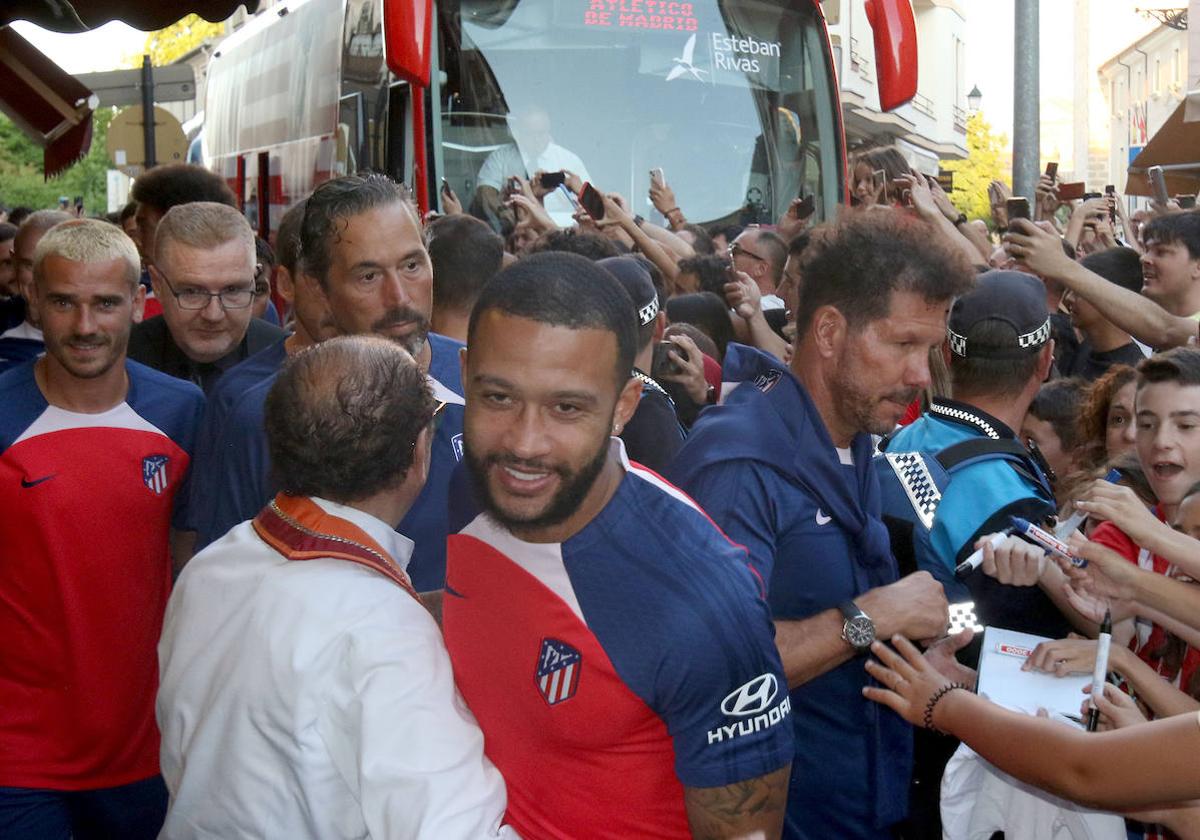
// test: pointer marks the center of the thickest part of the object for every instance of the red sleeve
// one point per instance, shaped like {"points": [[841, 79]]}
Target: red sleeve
{"points": [[1110, 536], [913, 412]]}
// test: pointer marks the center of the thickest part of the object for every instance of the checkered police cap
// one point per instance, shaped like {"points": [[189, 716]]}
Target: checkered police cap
{"points": [[634, 277], [1010, 297]]}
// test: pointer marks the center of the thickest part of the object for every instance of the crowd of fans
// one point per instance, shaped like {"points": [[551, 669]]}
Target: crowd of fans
{"points": [[510, 623]]}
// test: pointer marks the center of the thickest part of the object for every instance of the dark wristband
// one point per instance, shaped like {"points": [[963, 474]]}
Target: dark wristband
{"points": [[934, 700]]}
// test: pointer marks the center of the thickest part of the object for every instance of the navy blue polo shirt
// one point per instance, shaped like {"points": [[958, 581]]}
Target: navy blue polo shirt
{"points": [[817, 539]]}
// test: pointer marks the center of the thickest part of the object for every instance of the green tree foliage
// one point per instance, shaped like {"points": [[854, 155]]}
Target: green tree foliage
{"points": [[21, 176], [167, 45], [985, 162]]}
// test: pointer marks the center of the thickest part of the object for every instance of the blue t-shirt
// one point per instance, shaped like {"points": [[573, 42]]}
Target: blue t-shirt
{"points": [[240, 472], [748, 463]]}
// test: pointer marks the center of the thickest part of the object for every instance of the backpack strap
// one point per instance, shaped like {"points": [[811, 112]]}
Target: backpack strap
{"points": [[1012, 451], [954, 455]]}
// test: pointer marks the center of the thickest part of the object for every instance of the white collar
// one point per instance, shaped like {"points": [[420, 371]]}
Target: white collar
{"points": [[390, 540], [24, 330]]}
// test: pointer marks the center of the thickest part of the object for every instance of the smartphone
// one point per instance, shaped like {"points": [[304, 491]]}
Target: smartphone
{"points": [[657, 178], [446, 187], [805, 208], [1186, 202], [1018, 207], [945, 179], [551, 180], [897, 190], [879, 178], [1052, 169], [1110, 191], [512, 186], [1158, 183], [1088, 196], [662, 363], [1071, 191], [592, 202]]}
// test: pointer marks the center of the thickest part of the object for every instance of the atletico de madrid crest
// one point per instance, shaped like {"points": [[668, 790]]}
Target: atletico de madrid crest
{"points": [[558, 671], [154, 473]]}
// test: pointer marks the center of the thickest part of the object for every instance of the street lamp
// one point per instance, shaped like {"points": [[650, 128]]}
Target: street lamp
{"points": [[974, 98]]}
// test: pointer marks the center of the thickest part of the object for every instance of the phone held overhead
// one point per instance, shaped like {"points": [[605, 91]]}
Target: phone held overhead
{"points": [[1018, 207], [592, 201]]}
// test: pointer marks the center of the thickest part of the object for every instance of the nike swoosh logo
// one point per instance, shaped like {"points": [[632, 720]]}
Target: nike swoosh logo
{"points": [[26, 483], [822, 519]]}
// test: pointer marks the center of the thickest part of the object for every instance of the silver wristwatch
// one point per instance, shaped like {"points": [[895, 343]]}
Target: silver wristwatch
{"points": [[858, 630]]}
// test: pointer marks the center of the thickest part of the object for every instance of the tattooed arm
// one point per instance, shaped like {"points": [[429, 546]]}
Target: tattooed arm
{"points": [[752, 809]]}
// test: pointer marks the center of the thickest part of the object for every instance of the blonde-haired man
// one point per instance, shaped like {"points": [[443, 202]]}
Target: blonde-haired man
{"points": [[24, 340], [92, 450], [203, 274]]}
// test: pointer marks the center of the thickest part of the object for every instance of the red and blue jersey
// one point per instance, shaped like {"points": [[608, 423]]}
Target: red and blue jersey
{"points": [[85, 572], [611, 670]]}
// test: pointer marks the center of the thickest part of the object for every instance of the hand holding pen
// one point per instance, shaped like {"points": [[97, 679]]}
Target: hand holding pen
{"points": [[1024, 528], [1100, 671]]}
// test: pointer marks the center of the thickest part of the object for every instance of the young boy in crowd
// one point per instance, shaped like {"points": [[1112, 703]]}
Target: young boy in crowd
{"points": [[1167, 415]]}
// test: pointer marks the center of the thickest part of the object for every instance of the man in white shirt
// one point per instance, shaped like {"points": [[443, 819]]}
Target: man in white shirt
{"points": [[534, 151], [305, 690]]}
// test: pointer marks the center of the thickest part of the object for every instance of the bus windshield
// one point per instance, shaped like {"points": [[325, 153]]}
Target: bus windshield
{"points": [[734, 101]]}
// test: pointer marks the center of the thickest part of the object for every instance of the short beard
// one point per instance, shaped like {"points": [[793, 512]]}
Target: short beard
{"points": [[414, 343], [564, 504], [858, 407]]}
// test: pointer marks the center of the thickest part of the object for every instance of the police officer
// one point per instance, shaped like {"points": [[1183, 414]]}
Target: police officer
{"points": [[960, 473], [1000, 354]]}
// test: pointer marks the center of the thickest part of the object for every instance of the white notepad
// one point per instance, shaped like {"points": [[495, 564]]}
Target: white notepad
{"points": [[1002, 681]]}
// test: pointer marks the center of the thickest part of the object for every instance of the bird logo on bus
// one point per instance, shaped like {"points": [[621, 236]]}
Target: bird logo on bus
{"points": [[683, 64]]}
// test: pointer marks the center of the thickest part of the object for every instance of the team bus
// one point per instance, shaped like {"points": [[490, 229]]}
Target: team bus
{"points": [[736, 101]]}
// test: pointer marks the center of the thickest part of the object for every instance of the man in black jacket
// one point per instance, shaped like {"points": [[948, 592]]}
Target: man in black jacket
{"points": [[653, 435], [203, 273]]}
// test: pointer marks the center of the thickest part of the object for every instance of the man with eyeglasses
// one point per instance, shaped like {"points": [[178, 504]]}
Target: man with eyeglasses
{"points": [[761, 254], [203, 273]]}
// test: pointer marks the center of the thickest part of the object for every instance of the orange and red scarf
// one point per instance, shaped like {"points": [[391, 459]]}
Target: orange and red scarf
{"points": [[299, 529]]}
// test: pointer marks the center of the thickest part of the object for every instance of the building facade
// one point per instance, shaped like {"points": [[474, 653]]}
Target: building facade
{"points": [[1142, 84], [933, 126]]}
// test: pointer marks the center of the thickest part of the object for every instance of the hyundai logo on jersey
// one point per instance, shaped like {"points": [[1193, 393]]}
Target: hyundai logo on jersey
{"points": [[558, 671], [154, 473], [752, 698], [751, 702]]}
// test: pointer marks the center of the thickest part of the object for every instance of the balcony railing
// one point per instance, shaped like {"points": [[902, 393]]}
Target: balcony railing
{"points": [[960, 119], [923, 104]]}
